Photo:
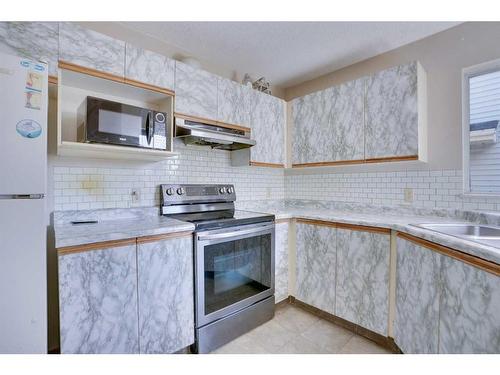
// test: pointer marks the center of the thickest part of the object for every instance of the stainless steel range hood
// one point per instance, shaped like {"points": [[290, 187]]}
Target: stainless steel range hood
{"points": [[215, 136]]}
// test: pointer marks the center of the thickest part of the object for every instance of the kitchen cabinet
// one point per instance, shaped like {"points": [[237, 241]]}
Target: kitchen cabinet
{"points": [[195, 92], [328, 125], [33, 40], [149, 67], [281, 261], [98, 301], [90, 49], [316, 265], [166, 294], [362, 291], [392, 112], [233, 102], [470, 302], [418, 288]]}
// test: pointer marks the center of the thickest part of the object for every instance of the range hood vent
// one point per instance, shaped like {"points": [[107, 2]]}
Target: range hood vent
{"points": [[214, 136]]}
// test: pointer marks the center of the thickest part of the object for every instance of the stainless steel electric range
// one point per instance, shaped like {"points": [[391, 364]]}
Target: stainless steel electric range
{"points": [[234, 261]]}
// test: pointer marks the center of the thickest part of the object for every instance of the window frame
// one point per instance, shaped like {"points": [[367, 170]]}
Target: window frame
{"points": [[467, 74]]}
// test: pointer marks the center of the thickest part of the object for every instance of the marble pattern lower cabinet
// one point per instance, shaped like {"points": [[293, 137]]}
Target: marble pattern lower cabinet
{"points": [[328, 125], [418, 282], [469, 312], [391, 112], [149, 67], [90, 49], [195, 92], [316, 266], [281, 261], [98, 301], [362, 293], [268, 128], [33, 40], [233, 102], [166, 300]]}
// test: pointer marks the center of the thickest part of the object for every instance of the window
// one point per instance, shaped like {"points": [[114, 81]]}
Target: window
{"points": [[481, 128]]}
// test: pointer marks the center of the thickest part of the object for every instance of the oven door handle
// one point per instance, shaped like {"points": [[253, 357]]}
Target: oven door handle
{"points": [[236, 233]]}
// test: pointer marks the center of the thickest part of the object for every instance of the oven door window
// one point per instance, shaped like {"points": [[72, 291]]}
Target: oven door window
{"points": [[236, 270]]}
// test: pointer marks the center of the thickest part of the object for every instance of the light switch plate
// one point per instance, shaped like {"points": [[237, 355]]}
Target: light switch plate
{"points": [[408, 192]]}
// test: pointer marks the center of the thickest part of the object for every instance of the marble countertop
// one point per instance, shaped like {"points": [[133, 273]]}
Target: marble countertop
{"points": [[115, 227], [395, 221]]}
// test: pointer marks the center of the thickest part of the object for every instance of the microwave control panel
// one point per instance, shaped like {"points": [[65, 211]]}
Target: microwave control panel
{"points": [[160, 131]]}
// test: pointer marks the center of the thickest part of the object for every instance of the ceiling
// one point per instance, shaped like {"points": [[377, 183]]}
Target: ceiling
{"points": [[286, 53]]}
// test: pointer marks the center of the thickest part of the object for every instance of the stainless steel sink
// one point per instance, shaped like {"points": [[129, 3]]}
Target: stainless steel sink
{"points": [[464, 230]]}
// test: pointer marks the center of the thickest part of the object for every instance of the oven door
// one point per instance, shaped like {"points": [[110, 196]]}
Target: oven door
{"points": [[234, 269], [118, 123]]}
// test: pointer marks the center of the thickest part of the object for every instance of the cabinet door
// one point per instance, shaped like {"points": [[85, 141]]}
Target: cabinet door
{"points": [[328, 125], [362, 294], [233, 102], [268, 128], [98, 301], [166, 300], [195, 92], [392, 112], [281, 262], [418, 288], [91, 49], [316, 266], [149, 67], [33, 40], [469, 310]]}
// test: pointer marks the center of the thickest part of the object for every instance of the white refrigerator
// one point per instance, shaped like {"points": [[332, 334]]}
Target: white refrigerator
{"points": [[23, 170]]}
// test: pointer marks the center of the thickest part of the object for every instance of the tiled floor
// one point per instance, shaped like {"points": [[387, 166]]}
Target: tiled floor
{"points": [[295, 331]]}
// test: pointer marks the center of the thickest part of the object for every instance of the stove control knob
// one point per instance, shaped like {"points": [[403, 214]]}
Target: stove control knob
{"points": [[222, 190], [230, 190], [180, 191], [170, 191]]}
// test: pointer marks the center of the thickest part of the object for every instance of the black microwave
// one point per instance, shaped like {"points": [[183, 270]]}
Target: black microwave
{"points": [[105, 121]]}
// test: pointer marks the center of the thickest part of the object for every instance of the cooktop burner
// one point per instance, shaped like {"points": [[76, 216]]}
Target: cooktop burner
{"points": [[206, 206]]}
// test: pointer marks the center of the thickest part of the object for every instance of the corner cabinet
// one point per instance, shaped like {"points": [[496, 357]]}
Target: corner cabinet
{"points": [[195, 92], [127, 296], [362, 291], [316, 264]]}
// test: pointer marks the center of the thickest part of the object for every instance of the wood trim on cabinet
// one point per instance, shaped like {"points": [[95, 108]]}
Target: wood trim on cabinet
{"points": [[212, 122], [111, 77], [147, 86], [268, 165], [94, 246], [161, 237], [53, 80], [317, 222], [89, 71], [471, 260], [364, 228], [391, 159], [327, 163], [281, 221]]}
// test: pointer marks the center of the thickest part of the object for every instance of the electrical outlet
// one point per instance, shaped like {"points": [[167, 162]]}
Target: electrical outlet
{"points": [[408, 195], [136, 195], [268, 193]]}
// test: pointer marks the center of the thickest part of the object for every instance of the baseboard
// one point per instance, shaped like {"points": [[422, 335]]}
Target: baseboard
{"points": [[386, 342]]}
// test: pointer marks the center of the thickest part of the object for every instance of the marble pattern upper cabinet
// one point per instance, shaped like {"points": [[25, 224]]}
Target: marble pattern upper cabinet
{"points": [[268, 129], [149, 67], [166, 300], [233, 102], [98, 301], [469, 312], [281, 261], [328, 125], [362, 294], [316, 266], [418, 285], [195, 92], [33, 40], [90, 49], [392, 112]]}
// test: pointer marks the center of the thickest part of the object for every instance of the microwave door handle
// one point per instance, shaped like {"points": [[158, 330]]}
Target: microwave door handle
{"points": [[149, 127]]}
